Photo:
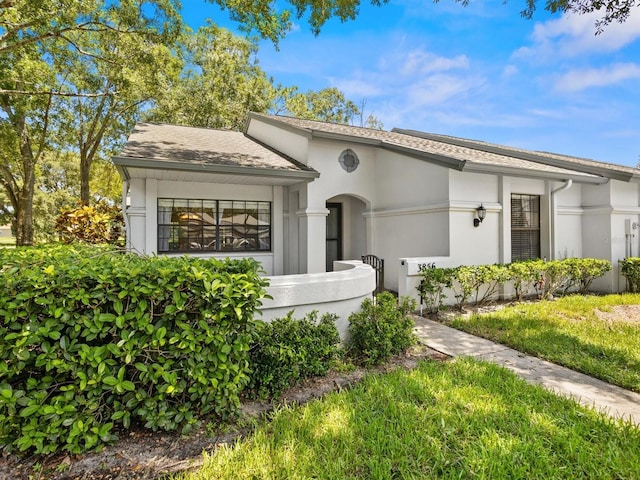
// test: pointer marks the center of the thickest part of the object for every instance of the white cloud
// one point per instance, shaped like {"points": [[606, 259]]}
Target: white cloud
{"points": [[509, 71], [436, 89], [582, 79], [573, 35], [421, 62], [357, 87], [418, 77]]}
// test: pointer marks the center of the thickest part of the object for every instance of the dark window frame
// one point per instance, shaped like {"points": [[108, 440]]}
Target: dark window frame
{"points": [[525, 227], [188, 225]]}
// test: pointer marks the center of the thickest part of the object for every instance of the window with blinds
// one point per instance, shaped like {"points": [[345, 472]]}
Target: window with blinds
{"points": [[525, 227]]}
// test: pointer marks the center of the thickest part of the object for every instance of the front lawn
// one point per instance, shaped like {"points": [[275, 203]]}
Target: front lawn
{"points": [[585, 333], [7, 242], [459, 419]]}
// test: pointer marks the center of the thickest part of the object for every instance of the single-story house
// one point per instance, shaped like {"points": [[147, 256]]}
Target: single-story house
{"points": [[298, 195]]}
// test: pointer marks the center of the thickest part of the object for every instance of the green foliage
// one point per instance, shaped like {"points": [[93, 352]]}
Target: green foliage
{"points": [[327, 105], [523, 276], [381, 329], [220, 84], [287, 350], [481, 282], [432, 286], [583, 271], [92, 341], [478, 281], [99, 223], [630, 268]]}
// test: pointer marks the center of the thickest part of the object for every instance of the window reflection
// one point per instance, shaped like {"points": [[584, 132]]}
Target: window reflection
{"points": [[213, 225]]}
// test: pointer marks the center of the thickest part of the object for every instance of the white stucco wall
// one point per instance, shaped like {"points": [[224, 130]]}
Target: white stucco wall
{"points": [[143, 218], [340, 292], [607, 210], [292, 144]]}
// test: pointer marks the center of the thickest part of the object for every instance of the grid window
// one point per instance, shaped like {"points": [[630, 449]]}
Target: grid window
{"points": [[525, 227], [186, 225]]}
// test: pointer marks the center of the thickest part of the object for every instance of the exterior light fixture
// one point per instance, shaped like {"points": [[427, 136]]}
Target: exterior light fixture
{"points": [[482, 213]]}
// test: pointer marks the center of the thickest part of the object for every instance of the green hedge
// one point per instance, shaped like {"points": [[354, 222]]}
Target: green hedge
{"points": [[480, 282], [630, 268], [92, 340], [287, 350]]}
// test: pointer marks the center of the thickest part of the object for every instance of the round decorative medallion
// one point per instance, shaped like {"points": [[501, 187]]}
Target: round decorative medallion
{"points": [[349, 160]]}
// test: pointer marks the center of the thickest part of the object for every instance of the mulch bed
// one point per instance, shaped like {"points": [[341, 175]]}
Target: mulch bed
{"points": [[142, 454]]}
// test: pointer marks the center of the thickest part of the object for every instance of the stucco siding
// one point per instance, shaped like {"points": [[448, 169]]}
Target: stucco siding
{"points": [[403, 181], [334, 180], [293, 144], [397, 235]]}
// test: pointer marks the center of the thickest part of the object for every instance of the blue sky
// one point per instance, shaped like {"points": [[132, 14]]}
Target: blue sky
{"points": [[480, 72]]}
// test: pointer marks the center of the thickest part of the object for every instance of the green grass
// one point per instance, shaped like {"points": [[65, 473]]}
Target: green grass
{"points": [[463, 419], [568, 332], [7, 242]]}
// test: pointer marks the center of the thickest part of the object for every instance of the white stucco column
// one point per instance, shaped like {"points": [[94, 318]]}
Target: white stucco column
{"points": [[151, 206], [136, 216], [313, 229], [504, 198], [277, 230]]}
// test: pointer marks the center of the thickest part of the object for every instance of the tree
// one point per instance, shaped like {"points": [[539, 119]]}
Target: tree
{"points": [[220, 84], [611, 10], [24, 134], [113, 78], [326, 105], [262, 17], [58, 189], [73, 61], [56, 26]]}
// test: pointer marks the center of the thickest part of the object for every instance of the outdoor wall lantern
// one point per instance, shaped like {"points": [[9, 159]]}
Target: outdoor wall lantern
{"points": [[482, 213]]}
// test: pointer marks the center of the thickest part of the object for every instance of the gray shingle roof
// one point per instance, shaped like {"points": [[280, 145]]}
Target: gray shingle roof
{"points": [[612, 170], [463, 154], [204, 147]]}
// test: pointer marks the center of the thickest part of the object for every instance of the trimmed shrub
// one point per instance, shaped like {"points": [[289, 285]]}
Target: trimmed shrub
{"points": [[381, 329], [479, 282], [287, 350], [524, 276], [92, 341], [583, 271], [630, 268], [432, 285]]}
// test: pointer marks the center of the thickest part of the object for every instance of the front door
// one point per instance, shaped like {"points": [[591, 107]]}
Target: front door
{"points": [[334, 234]]}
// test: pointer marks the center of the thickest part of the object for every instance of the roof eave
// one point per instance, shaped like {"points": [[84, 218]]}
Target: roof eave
{"points": [[276, 123], [602, 171], [153, 164], [521, 172], [441, 160]]}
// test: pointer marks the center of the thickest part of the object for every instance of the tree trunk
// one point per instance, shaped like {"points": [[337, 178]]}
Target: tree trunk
{"points": [[85, 169], [24, 206], [24, 197]]}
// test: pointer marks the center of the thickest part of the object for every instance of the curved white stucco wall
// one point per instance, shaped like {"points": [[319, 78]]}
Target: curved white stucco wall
{"points": [[341, 292]]}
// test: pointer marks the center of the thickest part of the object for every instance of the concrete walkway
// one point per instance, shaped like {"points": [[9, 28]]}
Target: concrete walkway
{"points": [[588, 391]]}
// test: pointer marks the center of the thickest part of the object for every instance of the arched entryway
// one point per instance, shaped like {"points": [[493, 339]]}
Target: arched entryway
{"points": [[346, 237]]}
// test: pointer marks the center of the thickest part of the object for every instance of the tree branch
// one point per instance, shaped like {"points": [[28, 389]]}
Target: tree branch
{"points": [[56, 94], [7, 46]]}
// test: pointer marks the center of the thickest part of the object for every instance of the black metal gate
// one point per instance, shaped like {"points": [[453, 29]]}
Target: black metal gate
{"points": [[378, 266]]}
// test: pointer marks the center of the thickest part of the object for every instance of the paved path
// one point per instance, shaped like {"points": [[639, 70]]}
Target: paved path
{"points": [[588, 391]]}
